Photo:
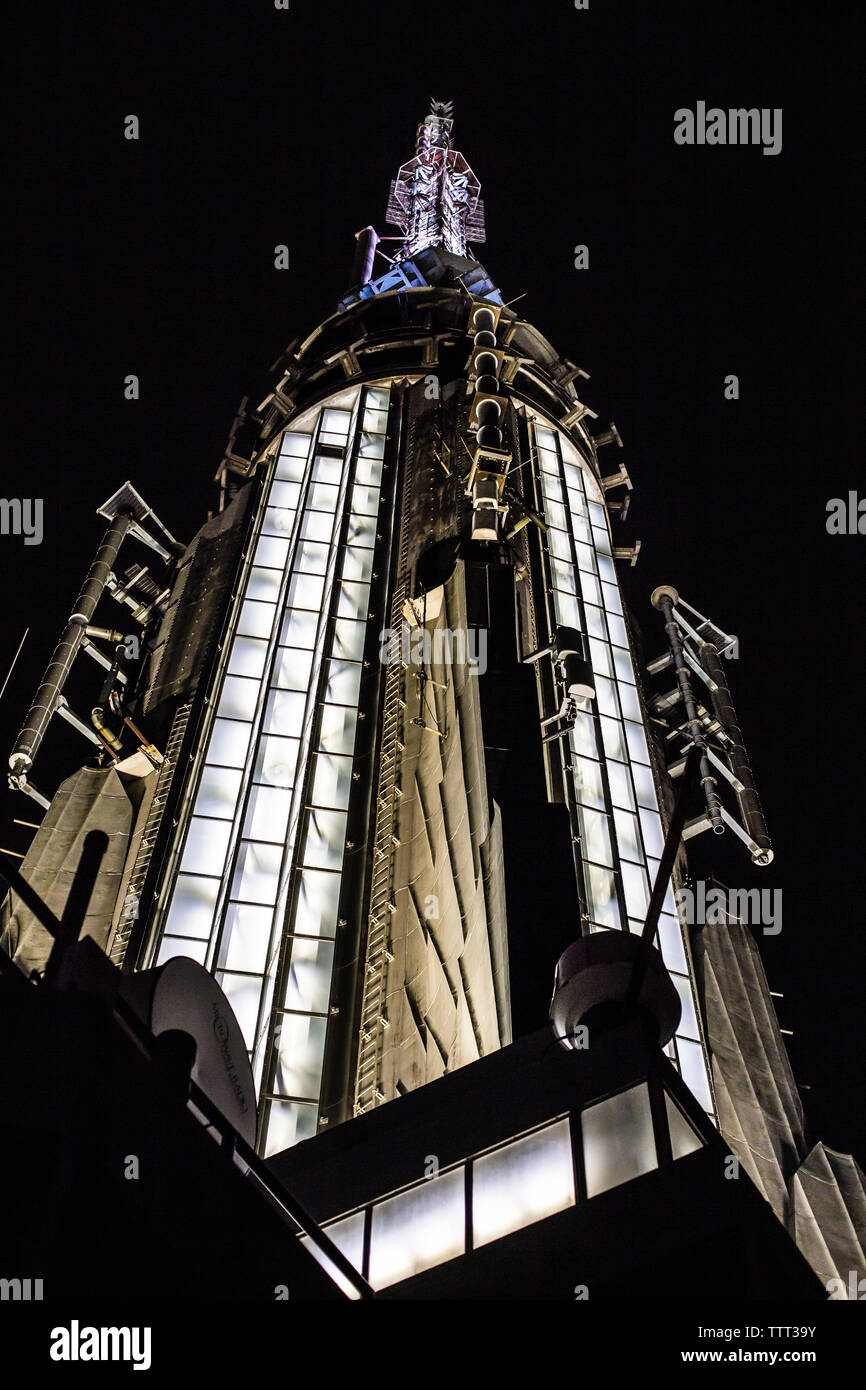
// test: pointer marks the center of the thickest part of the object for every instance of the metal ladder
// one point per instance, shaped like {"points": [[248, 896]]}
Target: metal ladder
{"points": [[130, 910], [373, 1018]]}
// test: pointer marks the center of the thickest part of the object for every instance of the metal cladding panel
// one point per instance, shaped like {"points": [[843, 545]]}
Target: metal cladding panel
{"points": [[91, 799], [435, 502], [760, 1112], [493, 869], [819, 1195], [197, 605], [445, 989], [829, 1192]]}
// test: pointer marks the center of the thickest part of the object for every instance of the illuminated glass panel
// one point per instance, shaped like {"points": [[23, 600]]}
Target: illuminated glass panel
{"points": [[300, 1040], [671, 943], [688, 1025], [693, 1070], [292, 669], [276, 760], [621, 791], [206, 845], [242, 992], [618, 1141], [183, 946], [594, 836], [192, 906], [309, 983], [602, 896], [289, 1122], [257, 872], [589, 783], [318, 898], [230, 741], [684, 1139], [418, 1229], [238, 698], [521, 1183], [248, 656], [344, 680], [245, 938], [267, 815], [264, 584]]}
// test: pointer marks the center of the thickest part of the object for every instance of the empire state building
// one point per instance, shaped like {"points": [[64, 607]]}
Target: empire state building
{"points": [[379, 765]]}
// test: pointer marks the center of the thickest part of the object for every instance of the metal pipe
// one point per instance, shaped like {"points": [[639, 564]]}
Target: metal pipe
{"points": [[112, 744], [22, 785], [98, 711], [366, 242], [62, 708], [101, 659], [39, 715], [747, 794], [664, 599]]}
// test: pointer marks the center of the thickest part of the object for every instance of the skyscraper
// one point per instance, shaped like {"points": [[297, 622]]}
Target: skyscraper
{"points": [[379, 748]]}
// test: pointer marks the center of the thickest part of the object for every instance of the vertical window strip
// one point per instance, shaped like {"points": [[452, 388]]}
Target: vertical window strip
{"points": [[371, 423], [266, 504], [278, 929], [588, 525], [550, 497], [598, 878], [274, 692], [298, 494], [596, 516], [208, 759]]}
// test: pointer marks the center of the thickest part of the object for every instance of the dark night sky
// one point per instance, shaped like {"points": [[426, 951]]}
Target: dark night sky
{"points": [[261, 127]]}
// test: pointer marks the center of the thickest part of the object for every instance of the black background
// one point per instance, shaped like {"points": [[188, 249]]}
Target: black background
{"points": [[261, 127]]}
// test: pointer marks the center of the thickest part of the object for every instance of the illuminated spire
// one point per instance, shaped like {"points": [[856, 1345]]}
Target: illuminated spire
{"points": [[434, 199]]}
